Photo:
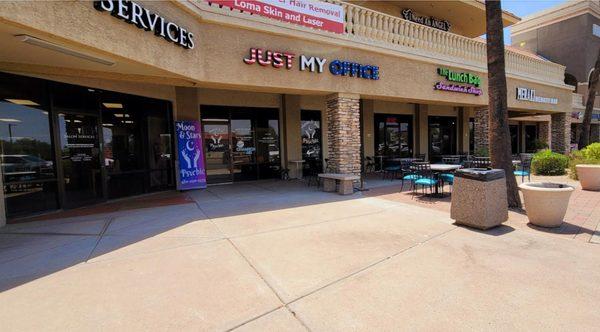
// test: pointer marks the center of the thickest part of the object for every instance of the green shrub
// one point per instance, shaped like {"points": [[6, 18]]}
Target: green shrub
{"points": [[547, 162], [592, 151], [590, 155]]}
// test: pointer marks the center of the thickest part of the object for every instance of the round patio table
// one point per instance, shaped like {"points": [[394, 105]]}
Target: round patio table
{"points": [[437, 169]]}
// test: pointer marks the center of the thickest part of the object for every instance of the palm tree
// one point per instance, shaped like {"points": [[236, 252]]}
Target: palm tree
{"points": [[584, 139], [499, 134]]}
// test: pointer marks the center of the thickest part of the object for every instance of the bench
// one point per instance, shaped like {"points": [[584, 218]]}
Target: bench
{"points": [[346, 186]]}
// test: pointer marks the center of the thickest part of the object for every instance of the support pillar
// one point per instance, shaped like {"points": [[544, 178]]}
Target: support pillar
{"points": [[186, 104], [482, 127], [293, 135], [544, 132], [561, 132], [343, 133], [422, 130]]}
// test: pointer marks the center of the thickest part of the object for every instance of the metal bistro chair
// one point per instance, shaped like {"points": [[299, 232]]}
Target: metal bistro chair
{"points": [[524, 168], [449, 177], [408, 173], [391, 169], [481, 162], [425, 178], [311, 170], [369, 165]]}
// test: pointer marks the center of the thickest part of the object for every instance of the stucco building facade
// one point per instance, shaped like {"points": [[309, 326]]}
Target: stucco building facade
{"points": [[104, 90]]}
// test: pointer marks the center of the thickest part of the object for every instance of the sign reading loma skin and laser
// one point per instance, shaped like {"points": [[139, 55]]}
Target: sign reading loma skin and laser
{"points": [[133, 13], [529, 95], [474, 82], [278, 59]]}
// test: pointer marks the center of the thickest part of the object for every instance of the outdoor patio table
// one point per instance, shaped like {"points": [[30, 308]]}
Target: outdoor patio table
{"points": [[442, 168]]}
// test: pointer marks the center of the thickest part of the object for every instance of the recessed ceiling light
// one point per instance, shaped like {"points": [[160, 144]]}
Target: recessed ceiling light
{"points": [[119, 115], [23, 102], [113, 105], [107, 124], [9, 120]]}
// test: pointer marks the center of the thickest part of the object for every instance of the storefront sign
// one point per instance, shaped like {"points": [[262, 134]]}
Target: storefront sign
{"points": [[192, 174], [310, 13], [133, 13], [529, 95], [279, 59], [429, 21], [467, 78]]}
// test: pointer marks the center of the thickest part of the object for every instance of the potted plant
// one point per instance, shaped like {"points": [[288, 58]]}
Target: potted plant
{"points": [[585, 167], [546, 203]]}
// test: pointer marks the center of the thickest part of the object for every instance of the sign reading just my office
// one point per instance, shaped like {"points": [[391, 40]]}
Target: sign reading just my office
{"points": [[285, 59]]}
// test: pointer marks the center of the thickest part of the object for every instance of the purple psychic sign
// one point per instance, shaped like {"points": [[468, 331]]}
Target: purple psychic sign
{"points": [[192, 174]]}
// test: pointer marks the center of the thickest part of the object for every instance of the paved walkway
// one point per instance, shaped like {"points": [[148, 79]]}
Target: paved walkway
{"points": [[283, 257]]}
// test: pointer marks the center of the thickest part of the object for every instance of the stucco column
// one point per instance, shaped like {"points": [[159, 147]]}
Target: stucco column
{"points": [[595, 133], [368, 139], [343, 132], [561, 132], [482, 125], [186, 104], [293, 136], [544, 132], [422, 130]]}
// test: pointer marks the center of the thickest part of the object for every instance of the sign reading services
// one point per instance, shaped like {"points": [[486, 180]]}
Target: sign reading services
{"points": [[192, 174], [529, 95], [133, 13], [310, 13]]}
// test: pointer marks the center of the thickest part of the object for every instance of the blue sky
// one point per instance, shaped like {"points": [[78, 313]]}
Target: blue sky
{"points": [[523, 8]]}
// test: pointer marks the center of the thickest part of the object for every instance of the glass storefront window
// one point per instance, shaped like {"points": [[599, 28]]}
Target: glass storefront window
{"points": [[531, 136], [471, 135], [514, 139], [56, 138], [310, 129], [27, 155], [240, 143], [137, 144], [393, 136], [442, 137]]}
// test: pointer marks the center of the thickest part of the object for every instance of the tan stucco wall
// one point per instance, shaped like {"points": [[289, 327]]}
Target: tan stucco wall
{"points": [[216, 61]]}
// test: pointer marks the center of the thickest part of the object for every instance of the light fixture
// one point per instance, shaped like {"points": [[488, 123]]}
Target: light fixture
{"points": [[112, 105], [128, 121], [9, 120], [107, 124], [58, 48], [119, 115], [25, 102]]}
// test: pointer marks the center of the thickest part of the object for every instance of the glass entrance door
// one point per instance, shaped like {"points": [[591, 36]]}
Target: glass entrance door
{"points": [[217, 147], [80, 159]]}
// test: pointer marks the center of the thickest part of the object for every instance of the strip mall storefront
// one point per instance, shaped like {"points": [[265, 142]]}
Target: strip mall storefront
{"points": [[87, 111]]}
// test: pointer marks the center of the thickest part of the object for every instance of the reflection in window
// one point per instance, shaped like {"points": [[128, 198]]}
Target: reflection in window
{"points": [[26, 147], [393, 135], [310, 128]]}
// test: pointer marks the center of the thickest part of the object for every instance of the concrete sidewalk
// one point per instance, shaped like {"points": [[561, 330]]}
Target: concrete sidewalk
{"points": [[247, 257]]}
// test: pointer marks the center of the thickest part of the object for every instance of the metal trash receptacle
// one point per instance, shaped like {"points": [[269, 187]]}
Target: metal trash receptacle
{"points": [[479, 198]]}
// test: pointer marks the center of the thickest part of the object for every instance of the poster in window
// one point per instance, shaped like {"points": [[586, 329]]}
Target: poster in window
{"points": [[192, 173]]}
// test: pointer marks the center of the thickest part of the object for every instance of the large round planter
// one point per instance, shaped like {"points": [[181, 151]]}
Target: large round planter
{"points": [[589, 176], [546, 203]]}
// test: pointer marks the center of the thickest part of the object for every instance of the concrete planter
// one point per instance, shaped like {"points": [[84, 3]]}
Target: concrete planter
{"points": [[589, 176], [546, 203]]}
